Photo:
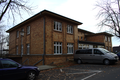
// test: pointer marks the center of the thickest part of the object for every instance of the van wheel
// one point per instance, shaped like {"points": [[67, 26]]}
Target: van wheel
{"points": [[79, 61], [106, 62]]}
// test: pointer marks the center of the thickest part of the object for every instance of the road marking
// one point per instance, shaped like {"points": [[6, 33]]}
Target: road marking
{"points": [[91, 75], [83, 72]]}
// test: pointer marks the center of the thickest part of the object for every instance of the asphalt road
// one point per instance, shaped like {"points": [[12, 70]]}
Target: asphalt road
{"points": [[83, 72]]}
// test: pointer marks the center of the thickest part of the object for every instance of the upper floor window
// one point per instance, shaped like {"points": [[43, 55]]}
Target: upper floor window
{"points": [[105, 38], [28, 29], [81, 38], [109, 39], [17, 34], [69, 29], [57, 26]]}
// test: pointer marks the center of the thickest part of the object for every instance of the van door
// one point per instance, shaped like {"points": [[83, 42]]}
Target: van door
{"points": [[87, 55], [97, 56]]}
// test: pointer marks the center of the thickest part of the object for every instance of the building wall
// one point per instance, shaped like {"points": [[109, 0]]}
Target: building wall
{"points": [[59, 36], [12, 44]]}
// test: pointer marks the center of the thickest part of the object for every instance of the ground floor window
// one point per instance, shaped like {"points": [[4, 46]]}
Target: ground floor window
{"points": [[57, 48], [28, 49], [17, 50], [69, 48], [22, 49]]}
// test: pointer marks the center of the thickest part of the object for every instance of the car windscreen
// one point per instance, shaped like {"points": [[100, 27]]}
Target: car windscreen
{"points": [[104, 50]]}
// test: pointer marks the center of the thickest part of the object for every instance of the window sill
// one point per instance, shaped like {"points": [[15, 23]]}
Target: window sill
{"points": [[57, 53], [57, 30], [69, 53], [70, 33]]}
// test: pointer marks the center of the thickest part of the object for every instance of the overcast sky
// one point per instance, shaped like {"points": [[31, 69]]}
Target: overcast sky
{"points": [[81, 10]]}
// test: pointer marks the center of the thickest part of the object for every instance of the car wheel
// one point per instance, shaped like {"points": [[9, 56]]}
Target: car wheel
{"points": [[106, 62], [79, 61], [31, 75]]}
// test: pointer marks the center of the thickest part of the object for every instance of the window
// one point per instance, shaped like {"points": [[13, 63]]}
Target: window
{"points": [[22, 49], [70, 48], [106, 47], [109, 39], [105, 38], [28, 49], [57, 26], [17, 50], [28, 29], [69, 29], [87, 51], [57, 48], [110, 48], [8, 64], [22, 29], [17, 34], [97, 51], [81, 38]]}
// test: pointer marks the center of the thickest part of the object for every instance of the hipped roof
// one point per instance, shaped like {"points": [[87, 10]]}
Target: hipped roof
{"points": [[41, 14]]}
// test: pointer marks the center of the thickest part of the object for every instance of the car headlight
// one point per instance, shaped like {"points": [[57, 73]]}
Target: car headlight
{"points": [[38, 69]]}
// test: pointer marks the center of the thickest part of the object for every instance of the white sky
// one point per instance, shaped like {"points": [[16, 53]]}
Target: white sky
{"points": [[80, 10]]}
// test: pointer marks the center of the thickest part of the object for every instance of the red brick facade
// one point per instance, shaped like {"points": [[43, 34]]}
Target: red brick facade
{"points": [[36, 39]]}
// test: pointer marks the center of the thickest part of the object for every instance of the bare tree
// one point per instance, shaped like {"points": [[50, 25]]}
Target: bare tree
{"points": [[12, 8], [109, 13]]}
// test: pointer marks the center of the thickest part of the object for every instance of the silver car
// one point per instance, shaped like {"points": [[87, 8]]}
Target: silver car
{"points": [[95, 55]]}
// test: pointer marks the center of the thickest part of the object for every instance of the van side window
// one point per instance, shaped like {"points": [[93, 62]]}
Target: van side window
{"points": [[89, 51], [97, 52], [78, 52]]}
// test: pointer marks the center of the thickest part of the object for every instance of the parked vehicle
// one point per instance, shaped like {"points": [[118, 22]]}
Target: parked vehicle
{"points": [[11, 70], [95, 55], [118, 54]]}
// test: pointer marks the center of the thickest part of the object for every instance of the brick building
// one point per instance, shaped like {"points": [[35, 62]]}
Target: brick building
{"points": [[50, 38]]}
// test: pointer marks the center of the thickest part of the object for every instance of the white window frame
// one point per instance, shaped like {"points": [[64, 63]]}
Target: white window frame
{"points": [[17, 50], [69, 29], [57, 47], [57, 26], [28, 29], [105, 38], [70, 48], [22, 49], [109, 39], [28, 49]]}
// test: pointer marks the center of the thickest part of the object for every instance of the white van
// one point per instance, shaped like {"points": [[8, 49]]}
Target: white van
{"points": [[95, 55]]}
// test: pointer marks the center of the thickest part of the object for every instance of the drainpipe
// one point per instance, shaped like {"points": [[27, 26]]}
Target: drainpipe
{"points": [[44, 41]]}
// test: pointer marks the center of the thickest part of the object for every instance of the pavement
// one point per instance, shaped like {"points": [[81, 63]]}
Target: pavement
{"points": [[45, 67]]}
